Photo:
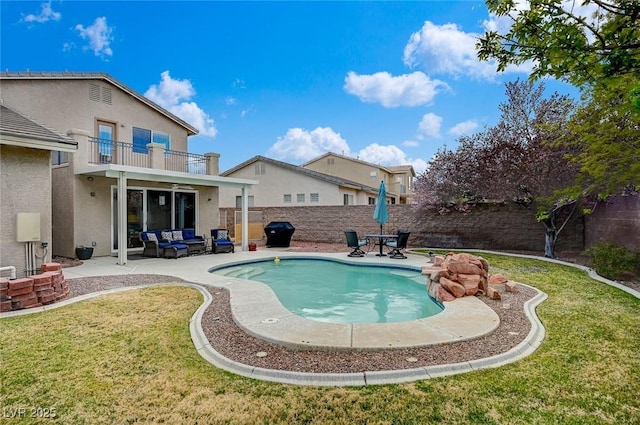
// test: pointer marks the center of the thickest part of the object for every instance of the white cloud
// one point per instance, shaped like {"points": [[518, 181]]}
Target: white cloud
{"points": [[175, 96], [404, 90], [230, 100], [46, 14], [99, 35], [446, 49], [389, 155], [429, 126], [300, 145], [410, 144], [463, 128]]}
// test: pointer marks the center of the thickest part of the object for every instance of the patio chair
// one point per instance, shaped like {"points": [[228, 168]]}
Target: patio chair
{"points": [[220, 241], [398, 244], [355, 243]]}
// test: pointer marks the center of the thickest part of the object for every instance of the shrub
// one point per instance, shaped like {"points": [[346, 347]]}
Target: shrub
{"points": [[613, 261]]}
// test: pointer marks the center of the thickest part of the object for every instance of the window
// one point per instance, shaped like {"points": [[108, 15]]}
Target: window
{"points": [[300, 197], [347, 199], [373, 175], [162, 138], [239, 201], [372, 201], [287, 198], [141, 138], [314, 197], [260, 169], [59, 158]]}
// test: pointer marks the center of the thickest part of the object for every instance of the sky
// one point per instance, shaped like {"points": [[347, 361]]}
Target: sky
{"points": [[386, 82]]}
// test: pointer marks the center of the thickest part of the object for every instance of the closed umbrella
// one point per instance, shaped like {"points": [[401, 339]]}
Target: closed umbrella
{"points": [[380, 213]]}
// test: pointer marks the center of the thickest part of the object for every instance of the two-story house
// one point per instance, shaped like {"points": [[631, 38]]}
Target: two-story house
{"points": [[285, 185], [131, 172], [397, 179]]}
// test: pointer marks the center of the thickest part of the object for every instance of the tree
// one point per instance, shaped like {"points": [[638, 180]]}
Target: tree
{"points": [[581, 41], [594, 45], [514, 161], [604, 135]]}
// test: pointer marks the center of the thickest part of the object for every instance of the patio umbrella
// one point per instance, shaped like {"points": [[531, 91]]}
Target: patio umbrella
{"points": [[380, 213]]}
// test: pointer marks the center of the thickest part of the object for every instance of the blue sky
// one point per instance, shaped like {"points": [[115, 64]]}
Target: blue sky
{"points": [[387, 82]]}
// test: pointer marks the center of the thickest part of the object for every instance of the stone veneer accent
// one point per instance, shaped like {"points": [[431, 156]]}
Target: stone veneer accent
{"points": [[33, 291]]}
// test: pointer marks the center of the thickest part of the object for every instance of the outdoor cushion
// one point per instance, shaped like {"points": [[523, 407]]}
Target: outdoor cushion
{"points": [[223, 234], [150, 236], [167, 236], [177, 235], [188, 234]]}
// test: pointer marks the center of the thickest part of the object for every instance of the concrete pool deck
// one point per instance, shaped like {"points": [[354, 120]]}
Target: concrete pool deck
{"points": [[257, 311]]}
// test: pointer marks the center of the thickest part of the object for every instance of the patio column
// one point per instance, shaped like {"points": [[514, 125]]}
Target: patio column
{"points": [[122, 218], [245, 218]]}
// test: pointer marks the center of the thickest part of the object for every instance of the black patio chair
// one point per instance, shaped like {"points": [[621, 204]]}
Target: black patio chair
{"points": [[398, 244], [355, 243]]}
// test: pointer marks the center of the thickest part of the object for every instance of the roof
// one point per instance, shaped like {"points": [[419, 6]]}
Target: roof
{"points": [[30, 75], [21, 130], [391, 170], [301, 170]]}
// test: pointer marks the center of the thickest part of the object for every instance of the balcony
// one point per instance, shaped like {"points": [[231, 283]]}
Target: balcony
{"points": [[102, 151]]}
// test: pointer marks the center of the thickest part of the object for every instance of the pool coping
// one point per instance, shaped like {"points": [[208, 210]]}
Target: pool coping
{"points": [[257, 310]]}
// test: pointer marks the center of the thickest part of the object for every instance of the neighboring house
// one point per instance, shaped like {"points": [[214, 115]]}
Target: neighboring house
{"points": [[284, 185], [397, 179], [132, 171], [25, 191]]}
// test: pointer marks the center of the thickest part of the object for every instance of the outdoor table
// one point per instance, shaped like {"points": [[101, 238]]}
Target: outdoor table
{"points": [[381, 240]]}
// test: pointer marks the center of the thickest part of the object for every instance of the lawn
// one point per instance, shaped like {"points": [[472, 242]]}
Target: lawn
{"points": [[128, 358]]}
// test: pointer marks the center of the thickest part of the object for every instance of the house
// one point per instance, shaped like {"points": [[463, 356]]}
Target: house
{"points": [[25, 186], [397, 179], [286, 185], [131, 172]]}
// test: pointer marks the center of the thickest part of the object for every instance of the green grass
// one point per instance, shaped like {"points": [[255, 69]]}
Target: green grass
{"points": [[128, 358]]}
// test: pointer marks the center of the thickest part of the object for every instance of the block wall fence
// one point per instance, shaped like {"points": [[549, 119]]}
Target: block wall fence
{"points": [[506, 227]]}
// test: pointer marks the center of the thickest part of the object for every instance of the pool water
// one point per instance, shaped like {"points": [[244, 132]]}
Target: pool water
{"points": [[336, 292]]}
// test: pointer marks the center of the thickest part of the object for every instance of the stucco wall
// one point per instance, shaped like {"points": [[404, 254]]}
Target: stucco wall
{"points": [[25, 186], [65, 104], [617, 220], [507, 227]]}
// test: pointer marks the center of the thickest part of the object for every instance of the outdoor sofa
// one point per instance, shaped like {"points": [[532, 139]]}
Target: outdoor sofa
{"points": [[172, 243]]}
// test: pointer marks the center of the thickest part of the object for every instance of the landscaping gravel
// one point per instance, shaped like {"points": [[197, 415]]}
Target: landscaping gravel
{"points": [[232, 342]]}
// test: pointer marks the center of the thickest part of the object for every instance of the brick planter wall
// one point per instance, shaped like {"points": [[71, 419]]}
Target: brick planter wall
{"points": [[33, 291]]}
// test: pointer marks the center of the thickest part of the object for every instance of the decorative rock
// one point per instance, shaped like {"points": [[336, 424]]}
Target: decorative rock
{"points": [[510, 286], [454, 288], [496, 279], [493, 293]]}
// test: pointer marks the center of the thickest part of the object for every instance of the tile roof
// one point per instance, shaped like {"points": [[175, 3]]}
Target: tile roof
{"points": [[315, 174], [13, 123]]}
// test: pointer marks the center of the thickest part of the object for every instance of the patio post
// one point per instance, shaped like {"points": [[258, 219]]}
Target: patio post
{"points": [[245, 218], [122, 218]]}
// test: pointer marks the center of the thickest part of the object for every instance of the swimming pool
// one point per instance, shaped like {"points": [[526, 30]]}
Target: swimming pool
{"points": [[336, 292]]}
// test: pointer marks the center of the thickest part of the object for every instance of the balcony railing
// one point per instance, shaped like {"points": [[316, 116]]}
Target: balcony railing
{"points": [[185, 162], [103, 151]]}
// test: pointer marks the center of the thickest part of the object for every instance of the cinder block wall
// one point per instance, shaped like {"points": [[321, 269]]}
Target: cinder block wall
{"points": [[617, 220], [500, 227]]}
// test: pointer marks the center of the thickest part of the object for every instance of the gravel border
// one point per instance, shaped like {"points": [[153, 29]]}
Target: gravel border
{"points": [[232, 342]]}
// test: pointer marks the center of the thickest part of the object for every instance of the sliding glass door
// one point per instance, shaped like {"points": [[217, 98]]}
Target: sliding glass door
{"points": [[153, 209]]}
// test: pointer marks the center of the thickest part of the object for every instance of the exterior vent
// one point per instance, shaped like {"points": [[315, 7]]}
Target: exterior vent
{"points": [[106, 95], [94, 92]]}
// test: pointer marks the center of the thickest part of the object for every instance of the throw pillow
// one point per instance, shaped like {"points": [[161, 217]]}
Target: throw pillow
{"points": [[177, 235], [167, 236], [152, 237], [223, 234]]}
